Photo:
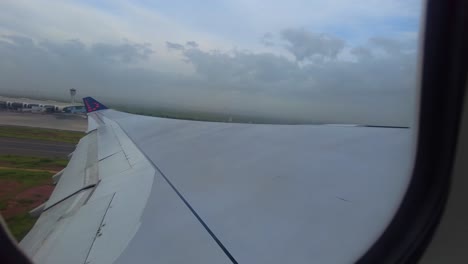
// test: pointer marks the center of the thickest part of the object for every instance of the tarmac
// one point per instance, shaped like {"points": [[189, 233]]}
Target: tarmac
{"points": [[36, 148], [60, 121], [40, 148]]}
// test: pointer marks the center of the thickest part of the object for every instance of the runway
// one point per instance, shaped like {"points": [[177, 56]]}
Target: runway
{"points": [[54, 121], [37, 148]]}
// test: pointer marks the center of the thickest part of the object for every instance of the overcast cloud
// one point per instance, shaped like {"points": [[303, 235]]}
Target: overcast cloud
{"points": [[306, 71], [306, 45]]}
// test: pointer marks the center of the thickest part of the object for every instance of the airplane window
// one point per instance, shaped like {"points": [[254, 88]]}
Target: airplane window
{"points": [[221, 131]]}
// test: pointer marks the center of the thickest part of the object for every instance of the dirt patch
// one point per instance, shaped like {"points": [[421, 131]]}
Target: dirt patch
{"points": [[27, 200], [37, 195], [8, 187]]}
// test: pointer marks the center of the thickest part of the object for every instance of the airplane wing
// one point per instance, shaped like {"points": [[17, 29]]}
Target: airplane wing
{"points": [[144, 189]]}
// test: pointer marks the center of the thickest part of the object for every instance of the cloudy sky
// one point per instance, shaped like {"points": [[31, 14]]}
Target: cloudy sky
{"points": [[335, 61]]}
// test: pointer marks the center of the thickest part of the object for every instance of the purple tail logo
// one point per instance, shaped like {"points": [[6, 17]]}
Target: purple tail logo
{"points": [[92, 105]]}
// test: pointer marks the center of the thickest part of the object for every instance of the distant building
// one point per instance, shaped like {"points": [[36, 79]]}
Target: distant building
{"points": [[15, 105], [30, 106], [37, 107]]}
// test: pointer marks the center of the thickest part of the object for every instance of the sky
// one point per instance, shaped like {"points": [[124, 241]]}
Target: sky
{"points": [[328, 61]]}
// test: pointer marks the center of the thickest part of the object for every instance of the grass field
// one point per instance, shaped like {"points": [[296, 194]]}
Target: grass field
{"points": [[40, 133], [18, 195], [24, 162], [26, 178], [20, 225], [25, 182]]}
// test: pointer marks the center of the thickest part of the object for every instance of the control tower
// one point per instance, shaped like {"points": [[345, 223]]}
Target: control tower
{"points": [[72, 95]]}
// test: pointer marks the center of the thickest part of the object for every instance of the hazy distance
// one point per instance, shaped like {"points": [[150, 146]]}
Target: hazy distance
{"points": [[296, 61]]}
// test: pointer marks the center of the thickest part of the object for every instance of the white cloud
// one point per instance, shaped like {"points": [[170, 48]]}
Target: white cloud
{"points": [[192, 44], [365, 91], [306, 45], [174, 46]]}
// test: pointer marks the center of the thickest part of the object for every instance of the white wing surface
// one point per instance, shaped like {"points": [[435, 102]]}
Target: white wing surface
{"points": [[153, 190]]}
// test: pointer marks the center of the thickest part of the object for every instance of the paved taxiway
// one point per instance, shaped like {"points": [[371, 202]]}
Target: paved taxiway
{"points": [[53, 121], [37, 148]]}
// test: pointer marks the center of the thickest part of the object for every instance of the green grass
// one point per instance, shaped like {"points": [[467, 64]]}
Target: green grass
{"points": [[3, 204], [26, 178], [20, 225], [40, 134], [24, 162], [16, 169]]}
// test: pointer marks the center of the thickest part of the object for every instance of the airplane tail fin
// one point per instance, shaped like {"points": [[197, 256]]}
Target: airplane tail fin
{"points": [[92, 105]]}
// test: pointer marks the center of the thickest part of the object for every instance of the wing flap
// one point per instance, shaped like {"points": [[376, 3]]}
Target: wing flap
{"points": [[80, 173], [72, 242], [50, 224]]}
